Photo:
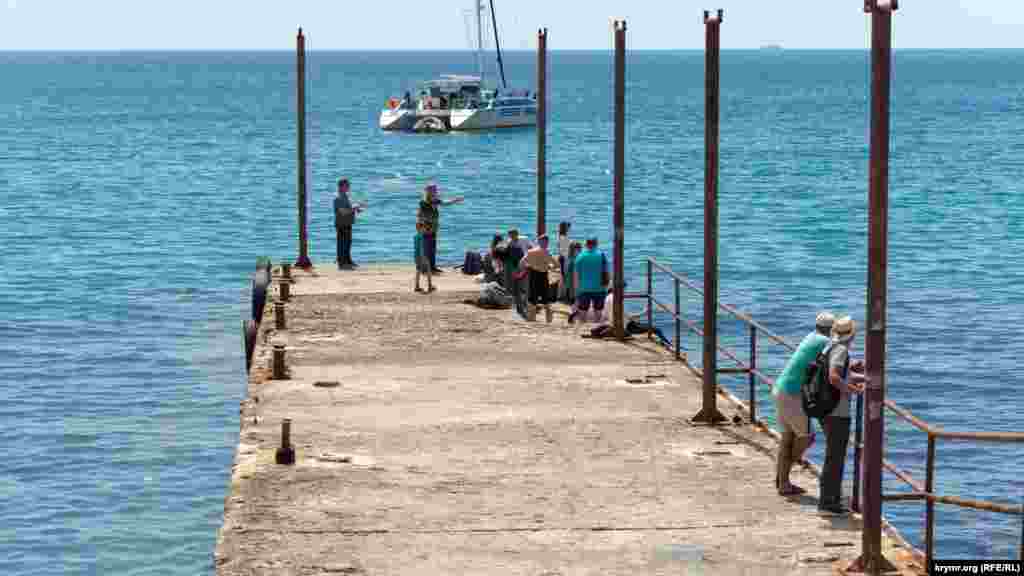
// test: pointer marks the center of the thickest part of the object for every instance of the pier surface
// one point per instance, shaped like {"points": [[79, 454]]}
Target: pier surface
{"points": [[460, 440]]}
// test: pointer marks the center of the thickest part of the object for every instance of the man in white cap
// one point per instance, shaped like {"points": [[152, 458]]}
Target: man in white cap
{"points": [[849, 379], [794, 425]]}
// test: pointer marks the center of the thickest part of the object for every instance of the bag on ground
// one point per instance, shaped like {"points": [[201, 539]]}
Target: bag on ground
{"points": [[472, 264], [492, 294]]}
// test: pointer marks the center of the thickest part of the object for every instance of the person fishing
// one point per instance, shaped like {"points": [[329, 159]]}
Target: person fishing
{"points": [[429, 220]]}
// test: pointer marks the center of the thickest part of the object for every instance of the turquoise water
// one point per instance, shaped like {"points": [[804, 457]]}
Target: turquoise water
{"points": [[140, 188]]}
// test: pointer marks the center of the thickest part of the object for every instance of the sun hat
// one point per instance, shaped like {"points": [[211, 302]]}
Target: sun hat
{"points": [[825, 320], [844, 329]]}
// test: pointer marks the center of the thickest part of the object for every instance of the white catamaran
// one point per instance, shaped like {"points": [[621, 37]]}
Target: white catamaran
{"points": [[455, 102]]}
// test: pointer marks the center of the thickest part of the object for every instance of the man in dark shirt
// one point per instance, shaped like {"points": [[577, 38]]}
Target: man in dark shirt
{"points": [[344, 216]]}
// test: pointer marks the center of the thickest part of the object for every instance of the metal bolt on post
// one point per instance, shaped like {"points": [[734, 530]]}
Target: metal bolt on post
{"points": [[278, 366]]}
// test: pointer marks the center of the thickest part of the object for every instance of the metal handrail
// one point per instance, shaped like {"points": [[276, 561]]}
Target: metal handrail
{"points": [[921, 491]]}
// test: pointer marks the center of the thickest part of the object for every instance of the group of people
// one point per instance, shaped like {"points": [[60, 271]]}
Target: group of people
{"points": [[834, 337]]}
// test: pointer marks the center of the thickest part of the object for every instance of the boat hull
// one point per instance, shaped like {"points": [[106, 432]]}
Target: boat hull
{"points": [[405, 119], [487, 119]]}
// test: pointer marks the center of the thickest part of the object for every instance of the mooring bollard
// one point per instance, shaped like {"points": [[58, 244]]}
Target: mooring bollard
{"points": [[286, 271], [279, 315], [285, 453], [278, 363], [283, 287]]}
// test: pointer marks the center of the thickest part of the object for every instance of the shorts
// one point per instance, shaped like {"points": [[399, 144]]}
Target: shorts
{"points": [[539, 289], [789, 412], [584, 299]]}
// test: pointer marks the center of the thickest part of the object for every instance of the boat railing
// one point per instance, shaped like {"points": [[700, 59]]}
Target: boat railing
{"points": [[919, 491]]}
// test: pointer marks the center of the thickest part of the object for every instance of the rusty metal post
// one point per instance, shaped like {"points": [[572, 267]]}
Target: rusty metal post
{"points": [[871, 560], [709, 413], [679, 321], [650, 299], [277, 365], [285, 453], [285, 291], [858, 438], [929, 505], [620, 163], [286, 271], [279, 321], [752, 380], [303, 261], [542, 124]]}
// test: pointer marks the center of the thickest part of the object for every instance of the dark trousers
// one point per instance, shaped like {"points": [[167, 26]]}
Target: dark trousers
{"points": [[515, 288], [837, 437], [344, 245], [432, 240]]}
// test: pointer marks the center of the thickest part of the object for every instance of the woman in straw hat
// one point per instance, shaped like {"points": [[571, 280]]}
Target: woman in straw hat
{"points": [[849, 379]]}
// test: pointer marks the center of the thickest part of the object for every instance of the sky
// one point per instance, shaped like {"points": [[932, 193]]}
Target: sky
{"points": [[441, 24]]}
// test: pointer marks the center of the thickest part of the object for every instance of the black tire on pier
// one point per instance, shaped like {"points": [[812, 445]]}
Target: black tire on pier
{"points": [[249, 341], [260, 283]]}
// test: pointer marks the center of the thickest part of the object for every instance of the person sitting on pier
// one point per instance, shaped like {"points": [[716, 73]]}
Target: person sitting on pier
{"points": [[538, 263], [797, 436], [590, 277], [848, 378]]}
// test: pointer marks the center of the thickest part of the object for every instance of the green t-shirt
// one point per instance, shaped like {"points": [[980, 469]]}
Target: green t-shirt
{"points": [[792, 377]]}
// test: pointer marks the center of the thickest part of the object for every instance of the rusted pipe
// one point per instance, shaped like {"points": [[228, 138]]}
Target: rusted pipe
{"points": [[913, 420], [709, 413], [929, 507], [300, 68], [278, 367], [285, 453], [542, 111], [858, 433], [279, 321], [650, 300], [679, 318], [284, 289], [286, 271], [752, 380], [618, 324]]}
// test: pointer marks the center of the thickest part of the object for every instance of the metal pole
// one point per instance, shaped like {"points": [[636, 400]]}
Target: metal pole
{"points": [[709, 413], [620, 161], [858, 438], [679, 321], [929, 505], [303, 261], [871, 559], [752, 379], [650, 299], [542, 121]]}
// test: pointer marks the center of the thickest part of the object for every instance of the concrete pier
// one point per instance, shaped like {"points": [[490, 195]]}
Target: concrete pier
{"points": [[435, 437]]}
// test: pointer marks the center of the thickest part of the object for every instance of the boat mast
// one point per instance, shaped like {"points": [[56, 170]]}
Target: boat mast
{"points": [[497, 45], [479, 41]]}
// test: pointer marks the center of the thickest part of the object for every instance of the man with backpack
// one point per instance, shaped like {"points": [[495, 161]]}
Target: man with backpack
{"points": [[848, 378], [794, 424]]}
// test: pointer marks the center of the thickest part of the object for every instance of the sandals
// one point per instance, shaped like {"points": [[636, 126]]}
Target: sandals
{"points": [[791, 490]]}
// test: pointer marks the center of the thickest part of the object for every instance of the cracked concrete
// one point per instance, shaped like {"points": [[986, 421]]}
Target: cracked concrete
{"points": [[465, 441]]}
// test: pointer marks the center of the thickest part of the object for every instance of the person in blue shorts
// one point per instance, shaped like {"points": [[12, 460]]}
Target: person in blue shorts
{"points": [[422, 259], [590, 277]]}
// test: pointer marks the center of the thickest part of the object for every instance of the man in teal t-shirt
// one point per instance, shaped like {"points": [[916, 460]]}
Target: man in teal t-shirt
{"points": [[789, 411], [589, 270]]}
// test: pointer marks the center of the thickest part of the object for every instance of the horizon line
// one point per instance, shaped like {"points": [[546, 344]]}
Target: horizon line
{"points": [[763, 48]]}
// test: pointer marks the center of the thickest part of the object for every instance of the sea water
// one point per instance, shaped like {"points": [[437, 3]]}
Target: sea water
{"points": [[137, 191]]}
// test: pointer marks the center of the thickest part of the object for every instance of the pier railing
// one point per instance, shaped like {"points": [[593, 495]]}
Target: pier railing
{"points": [[925, 491]]}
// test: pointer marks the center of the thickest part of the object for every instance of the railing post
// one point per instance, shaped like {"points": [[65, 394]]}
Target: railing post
{"points": [[929, 505], [871, 560], [858, 438], [709, 413], [679, 321], [650, 299], [753, 382]]}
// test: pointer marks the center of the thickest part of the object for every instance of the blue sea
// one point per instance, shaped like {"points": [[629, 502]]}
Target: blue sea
{"points": [[139, 189]]}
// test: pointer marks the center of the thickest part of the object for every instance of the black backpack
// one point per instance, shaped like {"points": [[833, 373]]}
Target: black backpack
{"points": [[818, 396], [472, 264]]}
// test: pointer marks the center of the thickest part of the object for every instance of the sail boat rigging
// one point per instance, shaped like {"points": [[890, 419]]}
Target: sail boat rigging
{"points": [[497, 45]]}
